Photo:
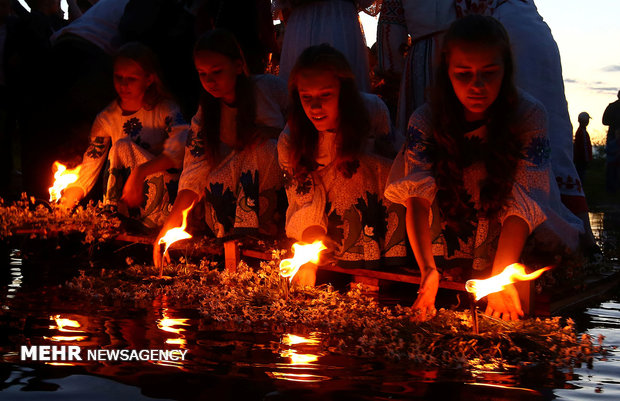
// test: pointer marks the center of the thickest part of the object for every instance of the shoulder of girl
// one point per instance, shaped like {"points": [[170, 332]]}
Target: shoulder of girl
{"points": [[529, 106], [421, 117]]}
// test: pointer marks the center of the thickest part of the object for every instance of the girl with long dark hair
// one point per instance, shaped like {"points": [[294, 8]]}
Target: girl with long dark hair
{"points": [[475, 172], [230, 156], [334, 185]]}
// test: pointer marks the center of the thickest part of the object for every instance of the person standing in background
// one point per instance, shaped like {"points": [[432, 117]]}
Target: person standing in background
{"points": [[611, 118], [582, 147]]}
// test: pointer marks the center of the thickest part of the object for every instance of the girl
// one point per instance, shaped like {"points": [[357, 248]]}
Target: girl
{"points": [[475, 173], [141, 124], [230, 163], [334, 188]]}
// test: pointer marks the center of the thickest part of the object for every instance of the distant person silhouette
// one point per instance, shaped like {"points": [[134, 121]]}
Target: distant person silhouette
{"points": [[611, 118], [582, 147]]}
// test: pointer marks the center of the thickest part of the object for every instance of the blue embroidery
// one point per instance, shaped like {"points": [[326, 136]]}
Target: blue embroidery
{"points": [[132, 127], [416, 143], [195, 144], [96, 148], [538, 151]]}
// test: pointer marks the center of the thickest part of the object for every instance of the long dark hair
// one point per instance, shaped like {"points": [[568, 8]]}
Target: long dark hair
{"points": [[148, 61], [223, 42], [501, 151], [353, 116]]}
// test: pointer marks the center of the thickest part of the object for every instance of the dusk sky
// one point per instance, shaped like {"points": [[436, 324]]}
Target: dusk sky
{"points": [[588, 35]]}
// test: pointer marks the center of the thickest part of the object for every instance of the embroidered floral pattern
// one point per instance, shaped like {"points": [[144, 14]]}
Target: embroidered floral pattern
{"points": [[250, 188], [374, 215], [416, 143], [223, 202], [538, 151], [304, 186], [334, 224], [195, 145], [96, 148], [132, 127]]}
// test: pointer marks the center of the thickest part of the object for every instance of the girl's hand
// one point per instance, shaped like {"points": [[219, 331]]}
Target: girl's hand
{"points": [[158, 260], [70, 197], [424, 305], [132, 191], [505, 304]]}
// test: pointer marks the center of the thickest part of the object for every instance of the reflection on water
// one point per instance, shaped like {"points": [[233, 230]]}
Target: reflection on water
{"points": [[225, 364], [301, 354]]}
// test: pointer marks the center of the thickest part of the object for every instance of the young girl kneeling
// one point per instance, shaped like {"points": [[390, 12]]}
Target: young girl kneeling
{"points": [[230, 161], [334, 188], [140, 125], [475, 173]]}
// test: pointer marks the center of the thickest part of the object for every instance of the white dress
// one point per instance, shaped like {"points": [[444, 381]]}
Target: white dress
{"points": [[328, 21], [369, 230], [240, 193], [538, 67], [534, 198], [128, 140]]}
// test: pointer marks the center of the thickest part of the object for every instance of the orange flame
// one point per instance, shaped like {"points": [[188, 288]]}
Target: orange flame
{"points": [[177, 233], [302, 254], [62, 178], [511, 274]]}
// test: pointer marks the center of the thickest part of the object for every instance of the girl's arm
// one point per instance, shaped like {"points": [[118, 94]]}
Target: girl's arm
{"points": [[92, 162], [132, 191], [172, 156], [506, 304], [184, 199], [420, 239]]}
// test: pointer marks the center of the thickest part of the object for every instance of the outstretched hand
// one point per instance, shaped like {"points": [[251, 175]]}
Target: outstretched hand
{"points": [[505, 304], [424, 305]]}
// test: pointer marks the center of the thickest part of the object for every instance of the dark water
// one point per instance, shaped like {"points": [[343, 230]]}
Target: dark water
{"points": [[228, 365]]}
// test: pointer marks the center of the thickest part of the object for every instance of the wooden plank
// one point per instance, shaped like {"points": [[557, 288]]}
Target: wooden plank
{"points": [[232, 255], [382, 275], [141, 239]]}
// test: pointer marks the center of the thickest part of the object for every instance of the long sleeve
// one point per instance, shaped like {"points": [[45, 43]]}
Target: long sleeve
{"points": [[531, 194], [195, 164], [95, 155], [177, 128], [411, 175], [306, 198], [391, 36]]}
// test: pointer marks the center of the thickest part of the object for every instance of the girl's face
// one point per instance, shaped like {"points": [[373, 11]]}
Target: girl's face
{"points": [[218, 74], [131, 81], [319, 93], [476, 72]]}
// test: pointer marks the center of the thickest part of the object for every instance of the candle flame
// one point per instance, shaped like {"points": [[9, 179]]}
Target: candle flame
{"points": [[511, 274], [177, 233], [62, 178], [302, 254]]}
